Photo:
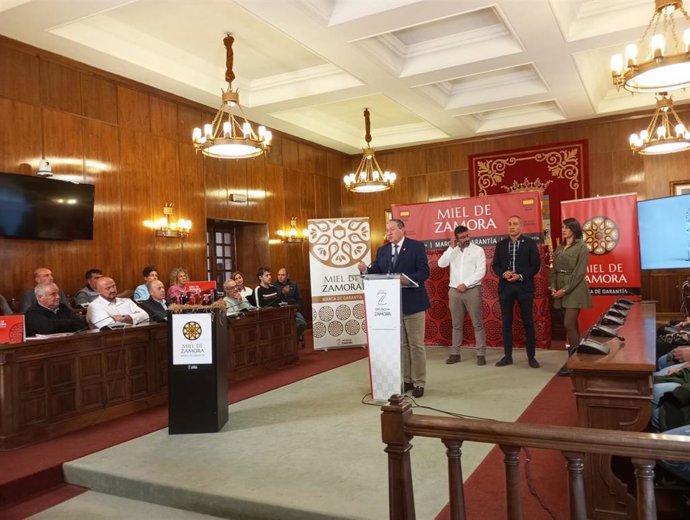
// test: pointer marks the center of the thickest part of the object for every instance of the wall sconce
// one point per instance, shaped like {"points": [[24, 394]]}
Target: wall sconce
{"points": [[166, 227], [293, 234], [44, 169]]}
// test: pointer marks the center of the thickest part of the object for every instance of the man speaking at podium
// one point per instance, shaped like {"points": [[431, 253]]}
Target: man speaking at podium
{"points": [[406, 256]]}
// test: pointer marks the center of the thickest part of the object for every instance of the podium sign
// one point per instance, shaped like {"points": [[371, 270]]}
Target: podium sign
{"points": [[383, 312], [192, 339]]}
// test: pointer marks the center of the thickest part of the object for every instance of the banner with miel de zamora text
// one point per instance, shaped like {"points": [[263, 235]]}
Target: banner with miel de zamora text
{"points": [[610, 230], [336, 246]]}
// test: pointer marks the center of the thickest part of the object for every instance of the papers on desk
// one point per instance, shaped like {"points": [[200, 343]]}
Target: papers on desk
{"points": [[410, 281], [51, 336]]}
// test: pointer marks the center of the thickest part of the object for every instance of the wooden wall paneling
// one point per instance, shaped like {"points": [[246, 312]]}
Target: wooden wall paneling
{"points": [[102, 169], [275, 153], [321, 198], [137, 200], [99, 98], [335, 192], [438, 159], [661, 170], [601, 174], [20, 79], [188, 118], [164, 186], [63, 138], [192, 206], [252, 250], [306, 158], [439, 186], [20, 137], [133, 109], [417, 189], [60, 87], [164, 118], [216, 188], [258, 180], [235, 179], [290, 154]]}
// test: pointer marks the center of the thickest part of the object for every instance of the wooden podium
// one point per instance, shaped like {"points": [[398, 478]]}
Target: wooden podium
{"points": [[197, 371]]}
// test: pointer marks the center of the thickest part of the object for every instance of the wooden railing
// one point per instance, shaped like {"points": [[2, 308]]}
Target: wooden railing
{"points": [[399, 426]]}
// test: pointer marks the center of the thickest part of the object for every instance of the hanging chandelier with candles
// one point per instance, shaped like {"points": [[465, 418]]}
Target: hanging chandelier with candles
{"points": [[226, 137], [666, 63], [369, 177], [663, 135]]}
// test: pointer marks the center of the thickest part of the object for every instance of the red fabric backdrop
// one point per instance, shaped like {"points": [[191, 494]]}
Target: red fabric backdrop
{"points": [[439, 325], [560, 171]]}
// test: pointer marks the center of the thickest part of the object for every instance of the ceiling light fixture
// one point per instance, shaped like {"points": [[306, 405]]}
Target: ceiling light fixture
{"points": [[662, 135], [369, 177], [226, 137], [667, 66]]}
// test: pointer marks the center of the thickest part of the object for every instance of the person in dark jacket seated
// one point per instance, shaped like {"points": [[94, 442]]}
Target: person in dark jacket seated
{"points": [[48, 315], [156, 306]]}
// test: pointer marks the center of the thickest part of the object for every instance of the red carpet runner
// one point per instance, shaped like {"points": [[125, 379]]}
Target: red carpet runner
{"points": [[485, 489], [31, 478]]}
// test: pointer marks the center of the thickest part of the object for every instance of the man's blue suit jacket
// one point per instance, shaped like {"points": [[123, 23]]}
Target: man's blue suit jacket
{"points": [[413, 262], [527, 263]]}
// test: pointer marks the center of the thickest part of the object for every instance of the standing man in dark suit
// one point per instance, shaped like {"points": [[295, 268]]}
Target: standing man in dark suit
{"points": [[407, 256], [516, 261]]}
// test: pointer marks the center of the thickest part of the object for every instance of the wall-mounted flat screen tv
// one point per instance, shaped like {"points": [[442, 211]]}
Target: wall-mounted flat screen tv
{"points": [[34, 207], [665, 232]]}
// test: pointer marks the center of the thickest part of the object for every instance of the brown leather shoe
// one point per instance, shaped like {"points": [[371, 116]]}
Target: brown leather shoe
{"points": [[453, 358], [481, 361]]}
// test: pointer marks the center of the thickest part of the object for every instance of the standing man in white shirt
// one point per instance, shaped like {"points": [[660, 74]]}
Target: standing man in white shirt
{"points": [[467, 263], [110, 311]]}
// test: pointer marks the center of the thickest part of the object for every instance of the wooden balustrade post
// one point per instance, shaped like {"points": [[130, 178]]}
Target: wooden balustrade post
{"points": [[400, 492], [646, 503], [455, 488], [512, 464], [576, 485]]}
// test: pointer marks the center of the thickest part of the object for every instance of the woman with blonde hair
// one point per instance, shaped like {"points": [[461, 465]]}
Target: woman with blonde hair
{"points": [[178, 282]]}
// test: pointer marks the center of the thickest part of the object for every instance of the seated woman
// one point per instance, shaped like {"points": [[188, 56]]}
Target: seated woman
{"points": [[239, 280], [178, 282], [670, 379]]}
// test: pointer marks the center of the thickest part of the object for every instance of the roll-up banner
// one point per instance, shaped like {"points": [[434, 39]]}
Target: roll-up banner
{"points": [[335, 248], [609, 226]]}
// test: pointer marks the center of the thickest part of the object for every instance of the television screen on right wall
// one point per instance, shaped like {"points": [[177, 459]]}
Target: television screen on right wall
{"points": [[665, 232]]}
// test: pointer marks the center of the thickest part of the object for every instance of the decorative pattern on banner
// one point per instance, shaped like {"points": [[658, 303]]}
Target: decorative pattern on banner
{"points": [[610, 230], [486, 217], [559, 170], [335, 248]]}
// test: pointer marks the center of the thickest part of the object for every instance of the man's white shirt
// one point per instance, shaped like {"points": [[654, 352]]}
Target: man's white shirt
{"points": [[466, 267], [100, 312]]}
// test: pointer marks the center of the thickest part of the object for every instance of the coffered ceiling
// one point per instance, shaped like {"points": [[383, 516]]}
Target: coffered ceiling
{"points": [[428, 70]]}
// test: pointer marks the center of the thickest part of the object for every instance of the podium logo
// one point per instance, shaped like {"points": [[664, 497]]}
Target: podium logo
{"points": [[339, 242], [191, 330], [382, 297], [601, 235]]}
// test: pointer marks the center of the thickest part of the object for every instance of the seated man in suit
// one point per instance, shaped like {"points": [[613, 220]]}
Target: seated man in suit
{"points": [[41, 275], [516, 262], [48, 315], [5, 309], [156, 306], [233, 299], [110, 311], [289, 293], [88, 293]]}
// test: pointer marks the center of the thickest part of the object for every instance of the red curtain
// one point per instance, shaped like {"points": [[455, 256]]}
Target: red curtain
{"points": [[560, 171]]}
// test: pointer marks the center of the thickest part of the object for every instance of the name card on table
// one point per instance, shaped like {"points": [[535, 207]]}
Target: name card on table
{"points": [[12, 328]]}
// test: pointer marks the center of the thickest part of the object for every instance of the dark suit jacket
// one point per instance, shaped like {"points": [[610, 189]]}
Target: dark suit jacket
{"points": [[413, 262], [527, 263], [157, 313], [39, 320]]}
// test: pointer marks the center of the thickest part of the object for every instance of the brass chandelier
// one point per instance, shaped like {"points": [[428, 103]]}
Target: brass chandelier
{"points": [[369, 177], [663, 135], [667, 65], [226, 137]]}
